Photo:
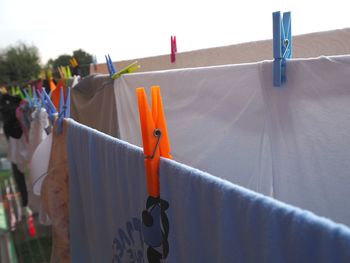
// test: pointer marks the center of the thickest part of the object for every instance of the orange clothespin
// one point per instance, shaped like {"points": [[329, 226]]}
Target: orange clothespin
{"points": [[52, 85], [55, 97], [154, 136]]}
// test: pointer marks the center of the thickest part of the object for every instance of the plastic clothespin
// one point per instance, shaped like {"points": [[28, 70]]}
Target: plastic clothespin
{"points": [[50, 107], [30, 91], [64, 109], [110, 66], [20, 93], [49, 74], [154, 136], [69, 73], [173, 49], [128, 69], [13, 91], [73, 62], [282, 46], [29, 99], [35, 97]]}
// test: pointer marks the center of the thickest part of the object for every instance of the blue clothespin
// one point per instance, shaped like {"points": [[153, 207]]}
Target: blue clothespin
{"points": [[35, 97], [51, 109], [64, 109], [110, 66], [28, 98], [282, 46], [44, 103]]}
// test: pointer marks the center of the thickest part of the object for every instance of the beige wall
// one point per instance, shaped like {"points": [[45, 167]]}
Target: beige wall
{"points": [[336, 42]]}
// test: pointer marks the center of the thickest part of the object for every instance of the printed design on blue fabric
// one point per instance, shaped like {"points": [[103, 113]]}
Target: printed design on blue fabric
{"points": [[128, 243], [155, 229]]}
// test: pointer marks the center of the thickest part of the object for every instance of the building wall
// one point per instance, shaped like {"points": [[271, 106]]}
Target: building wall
{"points": [[335, 42]]}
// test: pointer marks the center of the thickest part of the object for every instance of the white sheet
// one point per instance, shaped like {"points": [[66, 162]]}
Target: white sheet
{"points": [[231, 122]]}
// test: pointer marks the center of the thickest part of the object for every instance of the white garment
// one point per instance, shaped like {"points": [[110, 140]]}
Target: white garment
{"points": [[37, 132], [309, 127], [291, 143], [40, 163], [18, 152]]}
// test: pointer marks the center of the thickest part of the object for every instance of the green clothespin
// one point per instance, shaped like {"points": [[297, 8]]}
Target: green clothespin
{"points": [[129, 69], [21, 94], [13, 91], [69, 73]]}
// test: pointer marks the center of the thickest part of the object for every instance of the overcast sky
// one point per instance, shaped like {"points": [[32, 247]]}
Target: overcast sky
{"points": [[141, 28]]}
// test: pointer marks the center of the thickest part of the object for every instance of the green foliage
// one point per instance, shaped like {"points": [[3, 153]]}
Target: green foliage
{"points": [[19, 64], [84, 60], [62, 60]]}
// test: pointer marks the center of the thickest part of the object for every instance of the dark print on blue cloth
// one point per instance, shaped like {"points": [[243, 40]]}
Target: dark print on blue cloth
{"points": [[155, 229], [128, 243]]}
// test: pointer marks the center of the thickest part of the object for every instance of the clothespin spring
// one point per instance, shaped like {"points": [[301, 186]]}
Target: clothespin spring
{"points": [[157, 133], [286, 44]]}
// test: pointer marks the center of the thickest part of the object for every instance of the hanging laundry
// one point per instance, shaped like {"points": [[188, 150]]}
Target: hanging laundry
{"points": [[213, 220], [56, 89], [309, 130], [23, 115], [230, 121], [8, 106], [91, 92], [37, 132], [107, 192], [55, 196], [17, 152]]}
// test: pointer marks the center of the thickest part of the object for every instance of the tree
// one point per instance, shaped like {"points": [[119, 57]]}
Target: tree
{"points": [[83, 58], [19, 63]]}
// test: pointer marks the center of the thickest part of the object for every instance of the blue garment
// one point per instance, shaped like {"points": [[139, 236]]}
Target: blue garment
{"points": [[213, 220], [107, 196]]}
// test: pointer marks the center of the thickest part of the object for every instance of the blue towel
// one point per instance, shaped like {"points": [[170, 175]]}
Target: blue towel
{"points": [[107, 196], [213, 220]]}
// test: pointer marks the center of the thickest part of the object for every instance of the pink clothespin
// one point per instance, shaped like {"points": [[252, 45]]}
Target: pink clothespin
{"points": [[173, 49]]}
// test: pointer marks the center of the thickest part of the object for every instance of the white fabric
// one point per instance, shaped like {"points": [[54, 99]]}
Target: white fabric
{"points": [[291, 143], [309, 127], [39, 164], [37, 133], [18, 152]]}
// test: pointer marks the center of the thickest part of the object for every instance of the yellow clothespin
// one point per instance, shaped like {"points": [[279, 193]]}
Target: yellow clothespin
{"points": [[49, 74], [73, 62], [69, 73], [129, 69], [3, 90], [61, 72]]}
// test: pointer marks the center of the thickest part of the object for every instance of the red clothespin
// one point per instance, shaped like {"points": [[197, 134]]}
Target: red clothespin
{"points": [[173, 49], [154, 136]]}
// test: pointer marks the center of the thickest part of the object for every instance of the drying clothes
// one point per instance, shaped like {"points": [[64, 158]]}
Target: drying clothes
{"points": [[23, 114], [21, 184], [290, 143], [37, 132], [17, 152], [213, 220], [39, 164], [93, 104], [8, 106], [215, 119], [107, 196], [309, 126], [55, 197]]}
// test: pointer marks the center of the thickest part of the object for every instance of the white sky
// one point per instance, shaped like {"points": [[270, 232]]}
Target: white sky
{"points": [[141, 28]]}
